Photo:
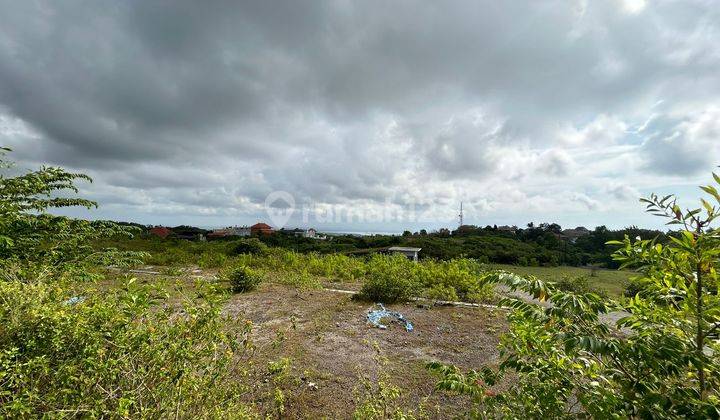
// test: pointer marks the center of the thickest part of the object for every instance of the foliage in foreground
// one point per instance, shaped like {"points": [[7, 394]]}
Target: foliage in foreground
{"points": [[116, 354], [660, 360], [68, 351], [34, 242]]}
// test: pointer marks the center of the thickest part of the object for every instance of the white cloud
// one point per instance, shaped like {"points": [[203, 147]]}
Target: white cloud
{"points": [[623, 192], [633, 6], [683, 144], [602, 131], [589, 203]]}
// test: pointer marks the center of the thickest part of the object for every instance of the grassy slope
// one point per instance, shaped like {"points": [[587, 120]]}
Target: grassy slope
{"points": [[612, 281]]}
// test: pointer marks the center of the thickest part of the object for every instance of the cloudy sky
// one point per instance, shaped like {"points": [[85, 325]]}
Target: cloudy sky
{"points": [[193, 112]]}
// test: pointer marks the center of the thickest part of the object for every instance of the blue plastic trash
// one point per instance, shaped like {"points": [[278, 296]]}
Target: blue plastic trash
{"points": [[74, 300], [375, 315]]}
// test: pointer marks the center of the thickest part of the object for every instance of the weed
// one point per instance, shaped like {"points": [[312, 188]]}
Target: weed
{"points": [[243, 279], [390, 279], [212, 259]]}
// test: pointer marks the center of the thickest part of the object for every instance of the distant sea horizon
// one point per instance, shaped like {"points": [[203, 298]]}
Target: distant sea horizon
{"points": [[330, 231], [357, 233]]}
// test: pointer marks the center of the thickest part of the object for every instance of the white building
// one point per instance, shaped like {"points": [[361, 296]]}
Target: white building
{"points": [[231, 231], [410, 253], [239, 231]]}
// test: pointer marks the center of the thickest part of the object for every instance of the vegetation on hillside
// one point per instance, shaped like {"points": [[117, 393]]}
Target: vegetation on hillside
{"points": [[534, 245]]}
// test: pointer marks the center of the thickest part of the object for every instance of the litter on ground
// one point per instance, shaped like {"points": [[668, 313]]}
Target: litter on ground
{"points": [[374, 316], [73, 300]]}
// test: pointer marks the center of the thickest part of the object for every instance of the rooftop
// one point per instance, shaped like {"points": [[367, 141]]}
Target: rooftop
{"points": [[403, 249]]}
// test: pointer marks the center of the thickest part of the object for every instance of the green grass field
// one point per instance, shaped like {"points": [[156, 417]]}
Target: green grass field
{"points": [[612, 281]]}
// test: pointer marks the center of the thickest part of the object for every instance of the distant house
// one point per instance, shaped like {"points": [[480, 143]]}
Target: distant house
{"points": [[572, 235], [410, 253], [261, 229], [241, 230], [230, 231], [237, 231], [217, 233], [300, 233], [189, 236], [507, 228], [292, 232], [160, 231]]}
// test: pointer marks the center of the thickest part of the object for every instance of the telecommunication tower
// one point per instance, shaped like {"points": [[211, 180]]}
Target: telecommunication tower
{"points": [[461, 215]]}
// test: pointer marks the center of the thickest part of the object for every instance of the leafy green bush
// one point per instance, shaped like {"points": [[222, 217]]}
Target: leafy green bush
{"points": [[33, 240], [300, 279], [390, 279], [113, 354], [578, 284], [243, 279], [441, 292], [456, 279], [169, 256], [250, 246], [212, 259], [336, 267], [633, 287]]}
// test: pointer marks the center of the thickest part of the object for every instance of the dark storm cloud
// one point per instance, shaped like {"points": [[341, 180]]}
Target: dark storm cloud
{"points": [[342, 101]]}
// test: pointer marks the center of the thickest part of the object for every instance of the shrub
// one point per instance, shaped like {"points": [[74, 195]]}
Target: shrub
{"points": [[170, 256], [390, 279], [442, 292], [300, 279], [212, 259], [251, 246], [457, 279], [243, 279], [337, 267], [31, 237], [633, 287], [579, 284], [113, 354]]}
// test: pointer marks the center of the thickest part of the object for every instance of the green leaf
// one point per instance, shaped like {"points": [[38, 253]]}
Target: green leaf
{"points": [[712, 191], [710, 209]]}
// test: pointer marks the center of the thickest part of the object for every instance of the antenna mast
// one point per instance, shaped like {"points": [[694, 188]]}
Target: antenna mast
{"points": [[461, 215]]}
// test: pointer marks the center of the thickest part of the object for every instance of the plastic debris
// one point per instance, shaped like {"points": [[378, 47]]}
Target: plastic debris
{"points": [[74, 300], [375, 315]]}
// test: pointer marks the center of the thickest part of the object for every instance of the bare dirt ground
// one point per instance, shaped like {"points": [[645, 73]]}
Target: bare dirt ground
{"points": [[336, 358], [333, 350]]}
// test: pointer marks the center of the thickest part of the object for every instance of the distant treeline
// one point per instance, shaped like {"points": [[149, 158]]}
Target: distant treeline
{"points": [[541, 245], [535, 245]]}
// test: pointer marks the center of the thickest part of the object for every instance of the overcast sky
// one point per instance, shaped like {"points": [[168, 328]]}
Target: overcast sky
{"points": [[193, 112]]}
